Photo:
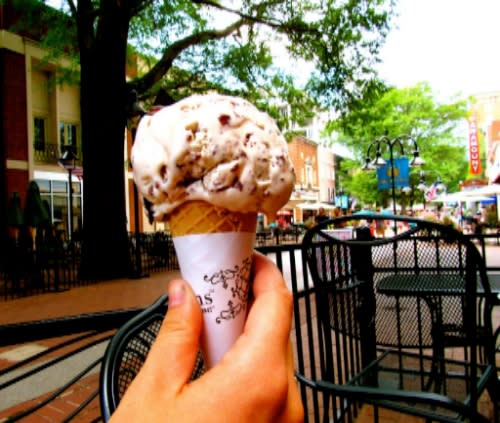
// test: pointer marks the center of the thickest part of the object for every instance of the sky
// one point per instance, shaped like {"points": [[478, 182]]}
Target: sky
{"points": [[452, 44]]}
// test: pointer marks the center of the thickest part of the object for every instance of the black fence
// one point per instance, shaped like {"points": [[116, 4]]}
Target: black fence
{"points": [[152, 252], [279, 236], [54, 266], [48, 268]]}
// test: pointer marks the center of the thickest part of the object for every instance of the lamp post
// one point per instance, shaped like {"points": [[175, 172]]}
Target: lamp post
{"points": [[68, 162], [384, 144], [422, 187]]}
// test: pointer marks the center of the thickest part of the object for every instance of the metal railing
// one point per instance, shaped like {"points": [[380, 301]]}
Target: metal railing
{"points": [[55, 265], [279, 236], [50, 153]]}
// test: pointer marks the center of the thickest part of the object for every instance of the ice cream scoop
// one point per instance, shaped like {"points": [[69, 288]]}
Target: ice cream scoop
{"points": [[213, 148], [208, 164]]}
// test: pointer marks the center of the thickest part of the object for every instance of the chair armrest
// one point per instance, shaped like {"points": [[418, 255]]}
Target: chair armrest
{"points": [[127, 352], [388, 398], [111, 364]]}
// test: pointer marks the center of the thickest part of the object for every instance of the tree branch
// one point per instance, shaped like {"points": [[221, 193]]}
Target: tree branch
{"points": [[171, 53], [136, 6], [244, 16], [72, 7]]}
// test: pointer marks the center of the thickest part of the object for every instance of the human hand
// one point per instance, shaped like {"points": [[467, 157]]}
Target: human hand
{"points": [[253, 382]]}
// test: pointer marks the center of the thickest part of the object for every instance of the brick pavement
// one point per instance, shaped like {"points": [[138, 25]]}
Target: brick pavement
{"points": [[110, 295]]}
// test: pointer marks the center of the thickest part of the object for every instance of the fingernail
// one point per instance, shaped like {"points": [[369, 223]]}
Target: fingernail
{"points": [[176, 293]]}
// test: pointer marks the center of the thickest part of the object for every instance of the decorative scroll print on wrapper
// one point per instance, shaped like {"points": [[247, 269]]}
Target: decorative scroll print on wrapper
{"points": [[236, 280], [217, 266]]}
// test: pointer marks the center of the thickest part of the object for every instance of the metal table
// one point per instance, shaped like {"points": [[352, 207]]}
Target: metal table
{"points": [[494, 279], [433, 289], [431, 284]]}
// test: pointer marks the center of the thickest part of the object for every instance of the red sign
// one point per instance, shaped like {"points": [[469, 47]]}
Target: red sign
{"points": [[474, 156]]}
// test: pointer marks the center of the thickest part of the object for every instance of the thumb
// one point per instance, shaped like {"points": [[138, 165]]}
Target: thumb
{"points": [[178, 340]]}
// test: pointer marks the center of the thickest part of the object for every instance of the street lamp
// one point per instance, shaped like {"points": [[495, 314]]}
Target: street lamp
{"points": [[436, 188], [383, 144], [422, 187], [421, 182], [68, 161], [440, 187], [414, 186]]}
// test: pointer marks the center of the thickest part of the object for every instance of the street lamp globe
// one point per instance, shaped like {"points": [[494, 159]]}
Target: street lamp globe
{"points": [[440, 186], [416, 161], [368, 164], [378, 161]]}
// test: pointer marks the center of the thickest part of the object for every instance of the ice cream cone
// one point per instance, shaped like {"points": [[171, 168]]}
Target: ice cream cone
{"points": [[207, 165], [199, 217], [214, 247]]}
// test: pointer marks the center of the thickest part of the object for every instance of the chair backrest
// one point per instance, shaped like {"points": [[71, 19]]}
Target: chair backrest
{"points": [[126, 353], [349, 267]]}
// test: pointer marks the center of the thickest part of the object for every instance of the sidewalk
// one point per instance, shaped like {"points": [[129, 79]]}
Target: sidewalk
{"points": [[102, 296]]}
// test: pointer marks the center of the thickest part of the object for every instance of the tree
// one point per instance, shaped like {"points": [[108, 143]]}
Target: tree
{"points": [[195, 45], [399, 112]]}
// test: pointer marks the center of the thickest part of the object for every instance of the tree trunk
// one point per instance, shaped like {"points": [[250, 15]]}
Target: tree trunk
{"points": [[105, 253]]}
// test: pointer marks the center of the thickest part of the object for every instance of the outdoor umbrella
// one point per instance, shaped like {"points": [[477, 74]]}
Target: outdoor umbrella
{"points": [[316, 206], [14, 215], [364, 211], [487, 190], [459, 197], [35, 213]]}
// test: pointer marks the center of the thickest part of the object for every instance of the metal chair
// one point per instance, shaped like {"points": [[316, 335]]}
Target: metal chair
{"points": [[126, 353], [403, 321]]}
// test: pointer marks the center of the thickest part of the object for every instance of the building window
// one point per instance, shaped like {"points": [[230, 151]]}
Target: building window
{"points": [[39, 133], [309, 173], [56, 195], [68, 134]]}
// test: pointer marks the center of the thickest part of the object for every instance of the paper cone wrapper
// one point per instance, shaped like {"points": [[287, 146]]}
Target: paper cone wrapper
{"points": [[214, 248]]}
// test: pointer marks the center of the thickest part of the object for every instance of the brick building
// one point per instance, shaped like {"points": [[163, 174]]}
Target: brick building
{"points": [[315, 178], [39, 121]]}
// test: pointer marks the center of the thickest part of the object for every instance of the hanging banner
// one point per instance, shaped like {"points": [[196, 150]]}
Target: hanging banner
{"points": [[400, 171], [342, 201], [474, 156]]}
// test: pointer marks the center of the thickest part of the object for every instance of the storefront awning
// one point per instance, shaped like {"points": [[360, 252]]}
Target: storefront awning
{"points": [[459, 197], [316, 206]]}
